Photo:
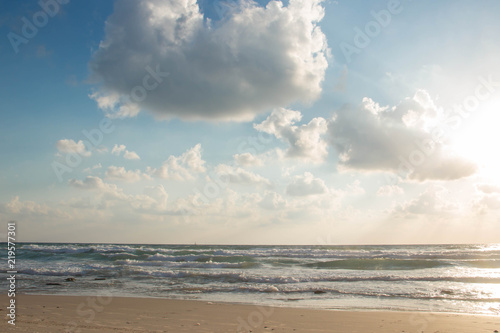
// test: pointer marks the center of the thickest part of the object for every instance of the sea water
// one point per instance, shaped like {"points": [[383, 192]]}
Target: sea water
{"points": [[445, 278]]}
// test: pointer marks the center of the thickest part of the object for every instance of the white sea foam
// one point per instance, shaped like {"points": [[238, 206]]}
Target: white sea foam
{"points": [[401, 277]]}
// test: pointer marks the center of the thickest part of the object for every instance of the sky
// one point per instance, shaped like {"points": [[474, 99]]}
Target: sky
{"points": [[240, 122]]}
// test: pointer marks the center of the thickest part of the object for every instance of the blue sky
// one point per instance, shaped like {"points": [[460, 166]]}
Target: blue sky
{"points": [[249, 122]]}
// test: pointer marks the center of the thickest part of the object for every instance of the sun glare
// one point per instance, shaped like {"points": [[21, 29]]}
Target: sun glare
{"points": [[478, 139]]}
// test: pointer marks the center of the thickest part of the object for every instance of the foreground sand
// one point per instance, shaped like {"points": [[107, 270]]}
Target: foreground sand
{"points": [[120, 314]]}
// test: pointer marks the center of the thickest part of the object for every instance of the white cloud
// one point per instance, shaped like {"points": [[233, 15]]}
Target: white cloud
{"points": [[96, 183], [95, 167], [402, 139], [317, 207], [237, 175], [248, 159], [29, 210], [159, 195], [131, 155], [488, 198], [101, 149], [488, 188], [272, 201], [355, 188], [112, 200], [389, 190], [119, 173], [183, 167], [17, 206], [70, 146], [486, 203], [255, 59], [304, 141], [306, 185], [432, 202], [115, 105], [118, 149]]}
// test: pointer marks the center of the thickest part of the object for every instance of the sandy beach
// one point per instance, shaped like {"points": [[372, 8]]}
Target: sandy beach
{"points": [[40, 313]]}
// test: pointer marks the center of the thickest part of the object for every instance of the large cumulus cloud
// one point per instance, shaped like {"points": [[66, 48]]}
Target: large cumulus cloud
{"points": [[256, 59], [408, 139]]}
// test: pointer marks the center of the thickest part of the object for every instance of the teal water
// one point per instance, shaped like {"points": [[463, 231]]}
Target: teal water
{"points": [[448, 278]]}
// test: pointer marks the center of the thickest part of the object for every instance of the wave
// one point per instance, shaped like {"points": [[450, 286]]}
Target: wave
{"points": [[329, 292], [200, 258], [87, 270], [378, 264], [488, 264], [425, 273], [282, 253], [195, 264], [239, 273]]}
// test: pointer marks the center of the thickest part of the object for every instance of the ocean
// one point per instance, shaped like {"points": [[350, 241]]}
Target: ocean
{"points": [[444, 278]]}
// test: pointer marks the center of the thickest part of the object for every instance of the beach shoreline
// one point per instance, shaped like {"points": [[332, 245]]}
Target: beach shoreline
{"points": [[60, 313]]}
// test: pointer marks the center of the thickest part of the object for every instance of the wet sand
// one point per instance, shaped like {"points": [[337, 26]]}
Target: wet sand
{"points": [[40, 313]]}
